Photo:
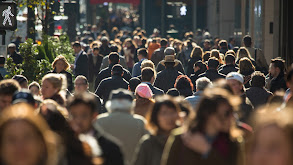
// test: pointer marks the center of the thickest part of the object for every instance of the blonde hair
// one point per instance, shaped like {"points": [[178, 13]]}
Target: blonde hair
{"points": [[245, 65], [58, 81], [149, 63], [215, 53], [242, 52], [62, 58]]}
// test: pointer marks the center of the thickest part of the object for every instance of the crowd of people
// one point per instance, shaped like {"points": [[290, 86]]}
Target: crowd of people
{"points": [[130, 99]]}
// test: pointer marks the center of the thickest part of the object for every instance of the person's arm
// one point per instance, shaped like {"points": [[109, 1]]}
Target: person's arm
{"points": [[105, 63], [170, 153]]}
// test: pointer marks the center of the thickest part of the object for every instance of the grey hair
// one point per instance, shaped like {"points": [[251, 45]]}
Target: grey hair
{"points": [[202, 83]]}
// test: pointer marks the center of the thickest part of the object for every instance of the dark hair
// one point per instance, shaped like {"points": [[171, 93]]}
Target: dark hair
{"points": [[152, 115], [2, 59], [84, 98], [229, 59], [183, 82], [20, 79], [113, 48], [223, 44], [247, 40], [279, 63], [117, 70], [114, 57], [96, 48], [206, 56], [173, 92], [8, 87], [258, 79], [82, 77], [143, 52], [143, 41], [76, 44], [209, 104], [164, 42], [147, 74], [213, 63], [133, 83]]}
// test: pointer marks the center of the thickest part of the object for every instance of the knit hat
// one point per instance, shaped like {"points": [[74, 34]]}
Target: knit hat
{"points": [[235, 76], [144, 91]]}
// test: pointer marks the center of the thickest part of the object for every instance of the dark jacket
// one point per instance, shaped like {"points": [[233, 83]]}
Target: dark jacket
{"points": [[247, 77], [81, 67], [258, 96], [68, 77], [107, 85], [150, 150], [225, 69], [156, 91], [223, 152], [105, 50], [166, 79], [277, 83], [194, 77], [185, 92], [190, 64], [178, 66], [16, 57], [106, 73], [158, 55], [112, 154], [212, 74], [246, 108], [94, 69]]}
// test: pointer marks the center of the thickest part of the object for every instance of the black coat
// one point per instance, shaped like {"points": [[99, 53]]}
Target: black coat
{"points": [[106, 73], [178, 66], [156, 91], [68, 77], [225, 69], [190, 64], [81, 67], [277, 83], [166, 79], [105, 50], [94, 69], [107, 85], [212, 74], [258, 96], [16, 57]]}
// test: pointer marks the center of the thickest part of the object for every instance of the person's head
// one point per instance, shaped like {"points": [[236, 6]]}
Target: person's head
{"points": [[223, 44], [76, 47], [229, 59], [230, 52], [105, 41], [52, 84], [214, 113], [83, 109], [213, 63], [196, 52], [25, 137], [247, 41], [24, 96], [147, 63], [241, 53], [169, 51], [277, 67], [2, 60], [81, 84], [163, 116], [35, 88], [235, 81], [148, 75], [199, 66], [271, 143], [164, 42], [169, 61], [207, 44], [22, 80], [206, 56], [7, 89], [183, 82], [202, 83], [142, 53], [117, 70], [258, 79], [11, 48], [173, 92], [245, 65], [114, 58], [120, 100], [133, 83], [114, 48], [143, 91], [96, 50], [60, 63]]}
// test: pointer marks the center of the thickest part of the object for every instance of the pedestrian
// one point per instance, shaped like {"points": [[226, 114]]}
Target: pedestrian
{"points": [[104, 48], [157, 50], [216, 53], [133, 83], [3, 70], [143, 99], [22, 80], [257, 93], [148, 77], [206, 56], [129, 51], [199, 67], [60, 65], [26, 137], [173, 92], [195, 56], [94, 61], [53, 87], [206, 139], [223, 45], [229, 65], [243, 52], [7, 89], [105, 62], [246, 69], [167, 77], [169, 51], [83, 111], [161, 121], [80, 66], [142, 55], [121, 123], [116, 81], [35, 88], [16, 57], [276, 77], [184, 85], [212, 72]]}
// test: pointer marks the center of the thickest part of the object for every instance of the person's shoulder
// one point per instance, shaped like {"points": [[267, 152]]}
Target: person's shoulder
{"points": [[139, 118]]}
